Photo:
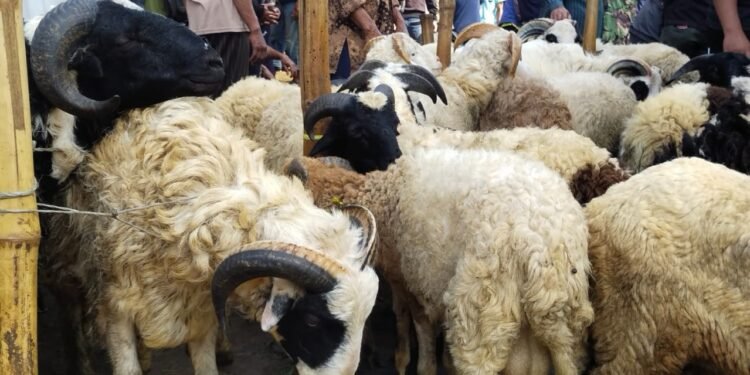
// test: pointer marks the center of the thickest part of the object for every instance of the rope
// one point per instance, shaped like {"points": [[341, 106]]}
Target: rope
{"points": [[19, 194], [115, 214]]}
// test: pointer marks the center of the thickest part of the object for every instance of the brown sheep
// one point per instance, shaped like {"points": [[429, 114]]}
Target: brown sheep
{"points": [[525, 102]]}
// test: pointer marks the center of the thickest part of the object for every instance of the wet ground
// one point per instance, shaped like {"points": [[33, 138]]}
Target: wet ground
{"points": [[255, 353]]}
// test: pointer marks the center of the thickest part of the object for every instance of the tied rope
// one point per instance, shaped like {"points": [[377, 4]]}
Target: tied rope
{"points": [[115, 214]]}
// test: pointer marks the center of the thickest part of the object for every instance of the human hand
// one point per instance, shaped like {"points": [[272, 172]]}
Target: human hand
{"points": [[271, 14], [259, 46], [737, 42], [559, 13], [289, 66]]}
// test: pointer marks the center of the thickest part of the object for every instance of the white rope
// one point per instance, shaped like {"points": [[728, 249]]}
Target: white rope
{"points": [[19, 194]]}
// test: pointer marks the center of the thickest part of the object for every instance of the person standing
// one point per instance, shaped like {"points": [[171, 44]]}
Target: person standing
{"points": [[231, 27], [467, 12], [284, 35], [734, 22], [411, 10]]}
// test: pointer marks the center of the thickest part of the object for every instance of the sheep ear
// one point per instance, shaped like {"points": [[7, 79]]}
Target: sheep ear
{"points": [[295, 168]]}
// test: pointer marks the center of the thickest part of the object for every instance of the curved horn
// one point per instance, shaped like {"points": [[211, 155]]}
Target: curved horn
{"points": [[310, 269], [366, 220], [629, 67], [55, 39], [372, 42], [534, 28], [325, 106], [373, 65], [475, 30], [359, 81], [388, 92], [694, 64], [413, 82], [429, 77], [398, 46]]}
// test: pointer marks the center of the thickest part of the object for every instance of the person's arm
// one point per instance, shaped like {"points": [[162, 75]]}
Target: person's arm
{"points": [[365, 23], [735, 39], [247, 13], [559, 12], [398, 18]]}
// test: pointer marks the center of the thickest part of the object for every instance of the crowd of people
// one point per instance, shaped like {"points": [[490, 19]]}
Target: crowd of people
{"points": [[261, 36]]}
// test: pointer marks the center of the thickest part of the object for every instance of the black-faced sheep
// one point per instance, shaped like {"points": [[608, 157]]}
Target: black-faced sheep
{"points": [[193, 194], [517, 277], [668, 250], [91, 60], [717, 69]]}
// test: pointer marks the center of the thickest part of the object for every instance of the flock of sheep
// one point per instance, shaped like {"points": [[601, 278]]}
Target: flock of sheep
{"points": [[547, 209]]}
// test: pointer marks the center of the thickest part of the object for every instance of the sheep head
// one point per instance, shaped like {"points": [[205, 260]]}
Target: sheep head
{"points": [[637, 75], [402, 49], [716, 69], [486, 45], [320, 325]]}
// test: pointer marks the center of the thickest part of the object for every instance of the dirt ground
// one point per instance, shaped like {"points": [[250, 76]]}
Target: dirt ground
{"points": [[255, 353]]}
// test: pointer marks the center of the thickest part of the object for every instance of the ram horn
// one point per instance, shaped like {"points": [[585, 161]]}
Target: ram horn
{"points": [[325, 106], [373, 65], [399, 48], [413, 82], [312, 270], [429, 77], [696, 63], [534, 28], [390, 99], [372, 42], [59, 33], [514, 43], [365, 220], [629, 67], [359, 81], [475, 30]]}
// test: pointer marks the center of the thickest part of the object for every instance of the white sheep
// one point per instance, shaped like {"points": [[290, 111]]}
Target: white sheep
{"points": [[657, 55], [669, 254], [498, 255], [195, 199], [562, 31]]}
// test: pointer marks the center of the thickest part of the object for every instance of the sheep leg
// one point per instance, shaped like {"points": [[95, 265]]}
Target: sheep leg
{"points": [[224, 356], [426, 337], [403, 323], [122, 345], [482, 316], [144, 356], [203, 354]]}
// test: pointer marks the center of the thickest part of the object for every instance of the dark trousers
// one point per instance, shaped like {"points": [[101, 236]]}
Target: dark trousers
{"points": [[234, 49], [691, 41]]}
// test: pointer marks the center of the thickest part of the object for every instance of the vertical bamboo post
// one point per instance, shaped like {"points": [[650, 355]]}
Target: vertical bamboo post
{"points": [[315, 79], [590, 25], [428, 33], [445, 29], [19, 233]]}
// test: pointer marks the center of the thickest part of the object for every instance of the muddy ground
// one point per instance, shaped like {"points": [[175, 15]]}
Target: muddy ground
{"points": [[255, 353]]}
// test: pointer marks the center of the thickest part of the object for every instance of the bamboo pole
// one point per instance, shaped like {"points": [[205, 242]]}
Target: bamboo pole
{"points": [[19, 233], [590, 26], [428, 31], [315, 77], [445, 29]]}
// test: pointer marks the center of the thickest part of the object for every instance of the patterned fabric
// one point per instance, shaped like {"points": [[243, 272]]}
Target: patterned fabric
{"points": [[618, 16], [342, 29]]}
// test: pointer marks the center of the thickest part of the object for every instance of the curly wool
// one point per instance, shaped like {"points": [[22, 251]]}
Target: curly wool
{"points": [[563, 151], [670, 260], [518, 244], [269, 113], [658, 123], [216, 196], [524, 102]]}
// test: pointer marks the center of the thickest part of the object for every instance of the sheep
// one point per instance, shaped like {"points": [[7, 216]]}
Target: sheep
{"points": [[522, 102], [668, 255], [562, 31], [212, 218], [717, 69], [401, 48], [430, 261], [88, 63], [657, 55], [588, 169], [654, 133]]}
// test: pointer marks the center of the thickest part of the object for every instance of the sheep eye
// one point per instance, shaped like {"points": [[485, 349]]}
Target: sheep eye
{"points": [[311, 320]]}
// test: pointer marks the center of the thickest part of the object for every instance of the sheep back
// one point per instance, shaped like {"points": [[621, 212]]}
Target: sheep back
{"points": [[669, 254], [524, 102]]}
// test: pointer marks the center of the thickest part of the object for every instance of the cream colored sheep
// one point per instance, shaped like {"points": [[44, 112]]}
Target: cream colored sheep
{"points": [[669, 252], [496, 254], [668, 59], [206, 197], [658, 124]]}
